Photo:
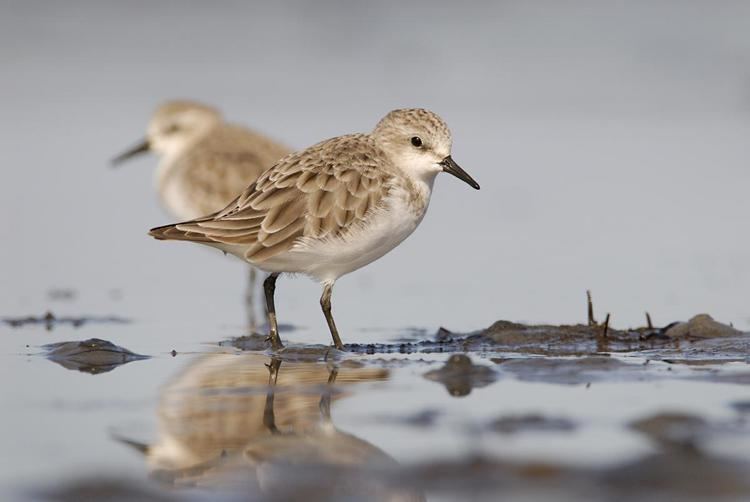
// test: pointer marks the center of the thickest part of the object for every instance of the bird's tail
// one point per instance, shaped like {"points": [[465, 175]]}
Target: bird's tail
{"points": [[175, 233]]}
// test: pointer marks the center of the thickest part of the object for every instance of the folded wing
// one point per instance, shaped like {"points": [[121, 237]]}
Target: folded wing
{"points": [[319, 193]]}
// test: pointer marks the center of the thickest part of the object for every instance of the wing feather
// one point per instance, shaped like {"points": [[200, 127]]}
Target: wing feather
{"points": [[320, 192]]}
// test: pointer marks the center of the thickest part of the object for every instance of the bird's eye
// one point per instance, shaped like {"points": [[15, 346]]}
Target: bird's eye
{"points": [[171, 129], [416, 141]]}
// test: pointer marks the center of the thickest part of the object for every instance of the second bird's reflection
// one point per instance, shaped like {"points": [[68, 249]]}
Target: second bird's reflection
{"points": [[234, 421]]}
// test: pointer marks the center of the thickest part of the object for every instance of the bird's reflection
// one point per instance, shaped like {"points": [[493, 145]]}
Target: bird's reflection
{"points": [[234, 421]]}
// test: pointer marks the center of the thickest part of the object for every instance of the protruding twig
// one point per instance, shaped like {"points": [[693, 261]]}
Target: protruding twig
{"points": [[649, 324], [606, 326], [592, 321]]}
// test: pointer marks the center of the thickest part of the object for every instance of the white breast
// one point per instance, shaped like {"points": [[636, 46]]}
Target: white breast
{"points": [[329, 259]]}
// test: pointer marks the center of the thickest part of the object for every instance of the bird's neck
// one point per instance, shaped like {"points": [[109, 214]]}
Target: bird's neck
{"points": [[167, 167], [418, 190], [170, 154]]}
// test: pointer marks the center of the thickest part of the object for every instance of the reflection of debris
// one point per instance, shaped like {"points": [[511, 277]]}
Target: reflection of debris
{"points": [[50, 320], [671, 429], [424, 418], [701, 362], [61, 294], [730, 377], [460, 375], [684, 434], [569, 371], [704, 351], [96, 488], [90, 356], [701, 326], [675, 475], [532, 423]]}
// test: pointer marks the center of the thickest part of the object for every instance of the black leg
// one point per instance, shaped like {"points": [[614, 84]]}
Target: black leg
{"points": [[269, 286], [252, 279], [325, 303]]}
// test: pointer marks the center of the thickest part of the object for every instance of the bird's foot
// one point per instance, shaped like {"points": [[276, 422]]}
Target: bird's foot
{"points": [[275, 341]]}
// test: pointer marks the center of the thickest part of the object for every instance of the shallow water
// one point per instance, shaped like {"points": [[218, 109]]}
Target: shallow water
{"points": [[202, 420]]}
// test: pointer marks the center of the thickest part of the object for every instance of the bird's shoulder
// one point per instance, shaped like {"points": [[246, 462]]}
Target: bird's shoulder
{"points": [[352, 153], [348, 173]]}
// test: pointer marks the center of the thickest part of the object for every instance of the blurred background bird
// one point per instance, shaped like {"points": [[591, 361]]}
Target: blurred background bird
{"points": [[204, 164]]}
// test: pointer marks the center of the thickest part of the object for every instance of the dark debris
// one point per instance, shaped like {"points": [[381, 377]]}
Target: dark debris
{"points": [[90, 356]]}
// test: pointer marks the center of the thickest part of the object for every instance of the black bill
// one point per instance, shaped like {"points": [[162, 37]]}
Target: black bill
{"points": [[450, 166], [138, 149]]}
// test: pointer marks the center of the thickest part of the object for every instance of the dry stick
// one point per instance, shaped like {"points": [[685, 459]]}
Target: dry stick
{"points": [[606, 326], [649, 324], [592, 321]]}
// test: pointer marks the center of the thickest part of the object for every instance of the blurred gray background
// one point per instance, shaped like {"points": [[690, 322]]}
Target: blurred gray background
{"points": [[611, 140]]}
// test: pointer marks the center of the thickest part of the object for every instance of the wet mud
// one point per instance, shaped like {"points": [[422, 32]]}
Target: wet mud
{"points": [[699, 335], [700, 340]]}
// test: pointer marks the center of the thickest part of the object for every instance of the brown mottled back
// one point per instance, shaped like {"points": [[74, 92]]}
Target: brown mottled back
{"points": [[317, 193]]}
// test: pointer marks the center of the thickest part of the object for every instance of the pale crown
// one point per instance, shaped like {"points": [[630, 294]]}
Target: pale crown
{"points": [[415, 140], [177, 124]]}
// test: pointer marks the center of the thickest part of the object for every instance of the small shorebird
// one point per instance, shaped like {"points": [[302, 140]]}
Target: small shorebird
{"points": [[205, 162], [334, 207]]}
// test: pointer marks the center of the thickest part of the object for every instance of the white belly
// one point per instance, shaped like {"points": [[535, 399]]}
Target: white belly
{"points": [[329, 259]]}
